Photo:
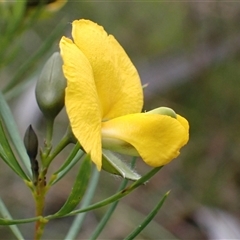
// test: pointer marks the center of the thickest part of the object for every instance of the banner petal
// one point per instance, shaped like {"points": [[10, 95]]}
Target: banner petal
{"points": [[117, 80]]}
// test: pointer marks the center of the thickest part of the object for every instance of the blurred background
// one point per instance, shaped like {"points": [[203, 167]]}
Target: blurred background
{"points": [[189, 55]]}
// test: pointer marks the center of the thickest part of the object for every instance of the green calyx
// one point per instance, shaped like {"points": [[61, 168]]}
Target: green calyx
{"points": [[50, 88], [119, 146], [163, 111]]}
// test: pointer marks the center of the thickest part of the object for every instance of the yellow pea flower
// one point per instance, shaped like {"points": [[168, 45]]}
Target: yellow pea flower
{"points": [[104, 99]]}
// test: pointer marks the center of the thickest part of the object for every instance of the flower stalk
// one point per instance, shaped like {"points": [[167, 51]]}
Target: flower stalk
{"points": [[39, 197]]}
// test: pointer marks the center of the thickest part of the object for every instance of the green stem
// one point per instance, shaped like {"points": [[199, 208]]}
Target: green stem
{"points": [[39, 196], [49, 131], [40, 224], [41, 187], [48, 141], [61, 145]]}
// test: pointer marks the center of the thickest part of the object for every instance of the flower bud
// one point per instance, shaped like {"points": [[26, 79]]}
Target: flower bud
{"points": [[50, 88], [31, 142], [163, 111]]}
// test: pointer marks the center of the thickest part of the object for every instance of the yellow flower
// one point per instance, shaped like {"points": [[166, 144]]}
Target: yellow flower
{"points": [[104, 99]]}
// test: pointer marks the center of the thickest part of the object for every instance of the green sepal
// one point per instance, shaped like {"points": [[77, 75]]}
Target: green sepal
{"points": [[163, 111], [112, 164], [79, 187]]}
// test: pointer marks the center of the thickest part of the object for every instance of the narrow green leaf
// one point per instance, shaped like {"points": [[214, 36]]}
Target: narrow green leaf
{"points": [[7, 155], [11, 128], [112, 164], [101, 225], [107, 215], [148, 219], [79, 187], [60, 175], [73, 158], [79, 219], [4, 212], [154, 230], [70, 158], [7, 221], [114, 197]]}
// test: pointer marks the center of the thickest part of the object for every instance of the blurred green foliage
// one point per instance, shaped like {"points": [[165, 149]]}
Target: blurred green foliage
{"points": [[207, 172]]}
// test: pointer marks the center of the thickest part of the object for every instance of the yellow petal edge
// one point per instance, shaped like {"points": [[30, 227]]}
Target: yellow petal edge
{"points": [[81, 100]]}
